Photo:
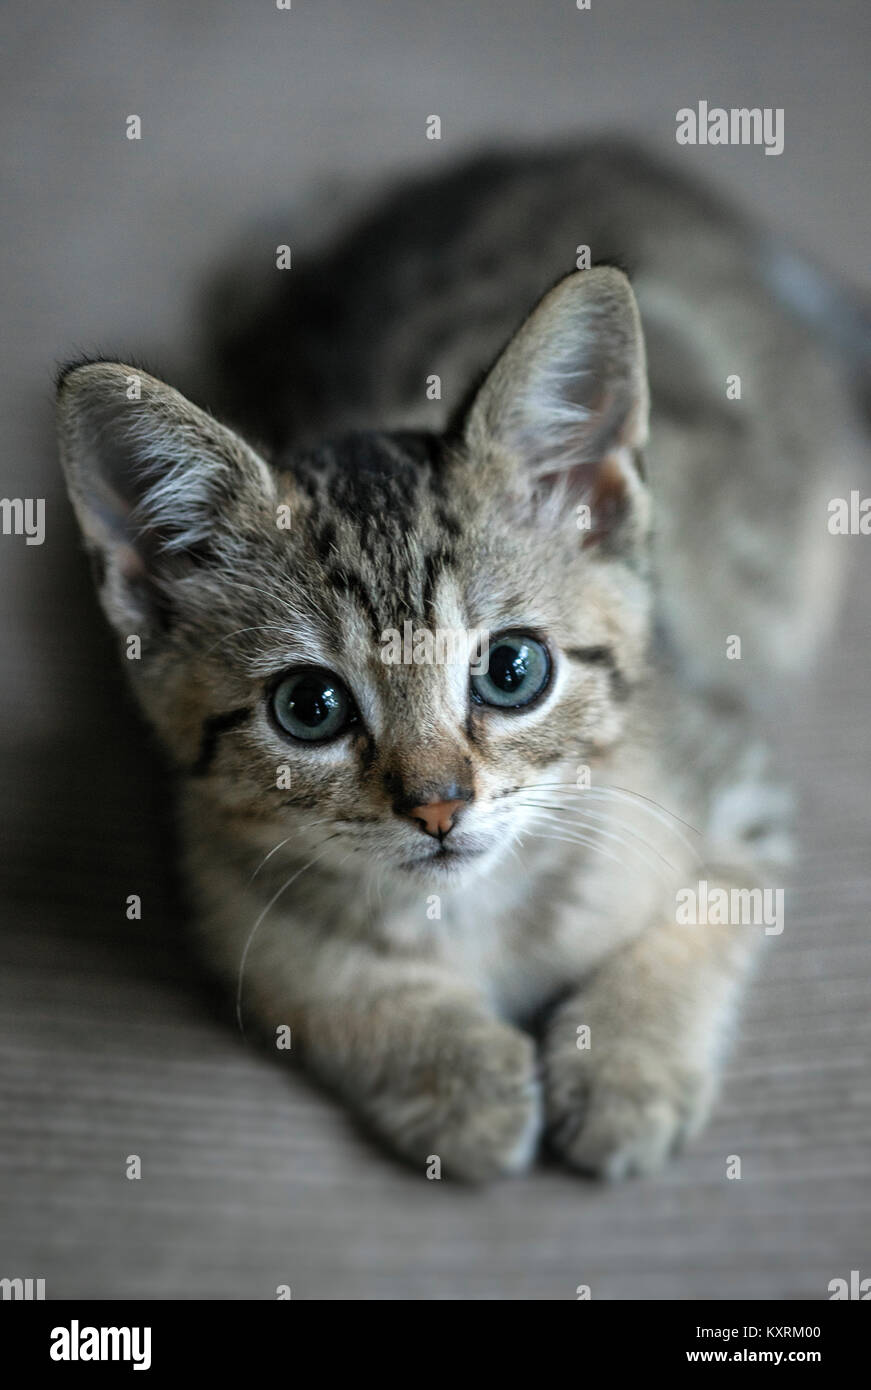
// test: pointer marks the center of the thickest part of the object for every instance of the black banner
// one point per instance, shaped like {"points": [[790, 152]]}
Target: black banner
{"points": [[159, 1339]]}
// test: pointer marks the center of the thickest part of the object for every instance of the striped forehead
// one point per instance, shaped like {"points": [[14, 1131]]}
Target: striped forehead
{"points": [[382, 529]]}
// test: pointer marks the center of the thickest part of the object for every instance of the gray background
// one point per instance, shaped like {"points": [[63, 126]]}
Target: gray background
{"points": [[110, 1046]]}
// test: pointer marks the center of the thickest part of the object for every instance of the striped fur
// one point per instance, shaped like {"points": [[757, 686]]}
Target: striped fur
{"points": [[442, 997]]}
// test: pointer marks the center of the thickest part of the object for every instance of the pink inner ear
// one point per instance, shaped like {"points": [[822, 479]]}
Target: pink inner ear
{"points": [[608, 500], [601, 486]]}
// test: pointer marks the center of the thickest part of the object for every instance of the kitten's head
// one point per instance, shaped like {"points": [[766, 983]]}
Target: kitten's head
{"points": [[389, 645]]}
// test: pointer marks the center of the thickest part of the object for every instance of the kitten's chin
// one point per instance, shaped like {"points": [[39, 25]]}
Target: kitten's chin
{"points": [[447, 865]]}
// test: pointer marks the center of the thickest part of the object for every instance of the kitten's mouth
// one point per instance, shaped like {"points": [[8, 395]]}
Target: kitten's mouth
{"points": [[446, 857]]}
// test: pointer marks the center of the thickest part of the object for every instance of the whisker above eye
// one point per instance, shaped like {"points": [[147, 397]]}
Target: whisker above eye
{"points": [[297, 614], [237, 632]]}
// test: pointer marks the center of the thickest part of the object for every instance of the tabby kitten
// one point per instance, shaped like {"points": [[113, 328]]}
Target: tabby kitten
{"points": [[456, 881]]}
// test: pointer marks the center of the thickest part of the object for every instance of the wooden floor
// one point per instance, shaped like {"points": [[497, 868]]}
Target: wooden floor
{"points": [[109, 1045]]}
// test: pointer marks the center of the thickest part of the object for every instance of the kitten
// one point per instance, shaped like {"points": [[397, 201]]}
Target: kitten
{"points": [[457, 881]]}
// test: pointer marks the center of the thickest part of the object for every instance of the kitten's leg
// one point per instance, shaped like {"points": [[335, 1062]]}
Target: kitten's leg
{"points": [[416, 1054], [659, 1012]]}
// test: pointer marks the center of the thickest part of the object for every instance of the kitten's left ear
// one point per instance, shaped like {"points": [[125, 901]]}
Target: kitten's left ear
{"points": [[566, 405], [158, 486]]}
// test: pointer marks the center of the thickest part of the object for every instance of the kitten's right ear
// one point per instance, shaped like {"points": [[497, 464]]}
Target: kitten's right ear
{"points": [[154, 482], [563, 413]]}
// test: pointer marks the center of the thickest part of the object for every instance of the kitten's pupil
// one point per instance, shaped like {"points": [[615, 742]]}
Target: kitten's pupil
{"points": [[313, 701], [509, 667]]}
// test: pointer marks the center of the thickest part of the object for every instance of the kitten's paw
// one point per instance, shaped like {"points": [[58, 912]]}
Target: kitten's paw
{"points": [[476, 1106], [622, 1114]]}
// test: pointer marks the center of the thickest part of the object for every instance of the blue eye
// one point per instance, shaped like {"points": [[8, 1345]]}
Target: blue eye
{"points": [[312, 705], [518, 670]]}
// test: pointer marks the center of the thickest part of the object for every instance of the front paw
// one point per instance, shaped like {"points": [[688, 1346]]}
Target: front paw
{"points": [[473, 1102], [623, 1109]]}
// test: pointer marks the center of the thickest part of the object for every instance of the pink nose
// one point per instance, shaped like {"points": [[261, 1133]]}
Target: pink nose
{"points": [[437, 817]]}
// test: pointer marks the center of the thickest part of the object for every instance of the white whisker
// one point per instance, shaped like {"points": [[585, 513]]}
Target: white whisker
{"points": [[272, 901], [593, 820], [237, 632], [577, 840], [637, 799], [597, 830]]}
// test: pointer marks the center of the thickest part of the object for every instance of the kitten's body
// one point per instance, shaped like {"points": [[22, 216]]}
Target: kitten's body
{"points": [[438, 279], [406, 989]]}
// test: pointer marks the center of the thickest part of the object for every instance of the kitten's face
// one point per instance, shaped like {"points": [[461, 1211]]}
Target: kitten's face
{"points": [[313, 636], [345, 734]]}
